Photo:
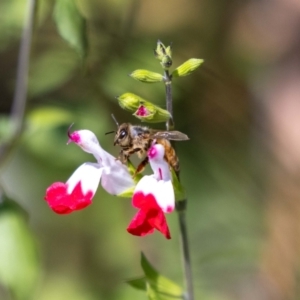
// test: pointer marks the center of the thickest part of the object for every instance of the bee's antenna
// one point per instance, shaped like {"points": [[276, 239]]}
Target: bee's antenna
{"points": [[109, 132], [114, 118]]}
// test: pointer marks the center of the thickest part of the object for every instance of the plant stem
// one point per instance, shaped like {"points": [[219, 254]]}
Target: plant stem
{"points": [[19, 100], [180, 205], [181, 210], [169, 100]]}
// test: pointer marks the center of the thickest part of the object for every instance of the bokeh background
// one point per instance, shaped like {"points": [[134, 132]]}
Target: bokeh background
{"points": [[241, 167]]}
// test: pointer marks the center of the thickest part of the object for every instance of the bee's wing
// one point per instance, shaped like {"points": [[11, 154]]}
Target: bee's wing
{"points": [[170, 135]]}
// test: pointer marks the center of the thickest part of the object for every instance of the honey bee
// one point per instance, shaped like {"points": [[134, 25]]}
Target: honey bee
{"points": [[138, 139]]}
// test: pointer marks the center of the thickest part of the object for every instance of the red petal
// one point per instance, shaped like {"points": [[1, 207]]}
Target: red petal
{"points": [[158, 220], [63, 203], [140, 200], [149, 217], [139, 225]]}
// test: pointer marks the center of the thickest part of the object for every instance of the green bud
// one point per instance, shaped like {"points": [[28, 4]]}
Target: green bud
{"points": [[146, 76], [164, 54], [129, 101], [160, 50], [166, 62], [169, 50], [187, 67]]}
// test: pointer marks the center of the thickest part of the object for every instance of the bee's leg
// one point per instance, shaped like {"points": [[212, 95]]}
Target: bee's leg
{"points": [[140, 168], [122, 157]]}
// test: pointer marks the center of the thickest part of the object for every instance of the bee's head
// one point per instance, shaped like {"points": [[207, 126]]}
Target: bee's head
{"points": [[122, 135]]}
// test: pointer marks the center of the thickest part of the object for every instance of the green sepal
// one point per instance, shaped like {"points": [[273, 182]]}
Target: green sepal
{"points": [[130, 101], [136, 178], [160, 50], [178, 188], [154, 114], [128, 193], [187, 67], [159, 287], [169, 51], [132, 170], [146, 76], [134, 103]]}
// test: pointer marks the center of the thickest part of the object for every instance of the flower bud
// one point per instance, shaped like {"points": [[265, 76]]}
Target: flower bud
{"points": [[148, 112], [146, 76], [166, 62], [187, 67], [143, 109], [164, 54], [129, 101]]}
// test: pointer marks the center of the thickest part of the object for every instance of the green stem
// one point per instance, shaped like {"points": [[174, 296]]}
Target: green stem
{"points": [[20, 96], [180, 205], [169, 100], [181, 210]]}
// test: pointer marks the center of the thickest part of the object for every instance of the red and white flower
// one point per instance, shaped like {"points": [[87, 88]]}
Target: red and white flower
{"points": [[78, 191], [153, 196]]}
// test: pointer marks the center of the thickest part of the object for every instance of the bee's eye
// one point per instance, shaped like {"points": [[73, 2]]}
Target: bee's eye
{"points": [[122, 134]]}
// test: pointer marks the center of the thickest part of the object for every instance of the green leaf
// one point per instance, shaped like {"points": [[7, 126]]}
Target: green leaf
{"points": [[19, 265], [187, 67], [46, 117], [158, 286], [178, 188], [56, 66], [138, 283], [71, 25]]}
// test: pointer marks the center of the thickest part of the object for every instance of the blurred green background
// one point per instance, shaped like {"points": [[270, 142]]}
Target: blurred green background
{"points": [[240, 167]]}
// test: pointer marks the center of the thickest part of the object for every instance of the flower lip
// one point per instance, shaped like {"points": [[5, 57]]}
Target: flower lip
{"points": [[149, 217]]}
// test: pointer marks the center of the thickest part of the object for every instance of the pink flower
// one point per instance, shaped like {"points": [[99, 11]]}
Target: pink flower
{"points": [[78, 191], [153, 196]]}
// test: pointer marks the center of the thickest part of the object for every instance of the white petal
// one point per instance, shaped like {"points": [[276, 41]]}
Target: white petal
{"points": [[164, 195], [162, 191], [160, 167], [146, 184], [116, 178], [86, 140], [89, 143], [89, 175]]}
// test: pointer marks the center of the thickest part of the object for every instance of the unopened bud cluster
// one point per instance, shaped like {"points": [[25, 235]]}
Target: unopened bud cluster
{"points": [[164, 54], [145, 110]]}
